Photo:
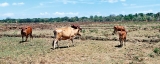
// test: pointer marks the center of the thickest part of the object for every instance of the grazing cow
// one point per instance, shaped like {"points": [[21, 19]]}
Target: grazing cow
{"points": [[65, 33], [122, 37], [25, 31], [118, 28]]}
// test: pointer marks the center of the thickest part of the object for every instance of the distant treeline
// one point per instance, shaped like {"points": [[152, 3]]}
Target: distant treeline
{"points": [[130, 17]]}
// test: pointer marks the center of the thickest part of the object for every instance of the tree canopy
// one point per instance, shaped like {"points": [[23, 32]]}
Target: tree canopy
{"points": [[111, 18]]}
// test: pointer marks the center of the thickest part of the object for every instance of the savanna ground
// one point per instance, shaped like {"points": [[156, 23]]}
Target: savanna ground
{"points": [[97, 45]]}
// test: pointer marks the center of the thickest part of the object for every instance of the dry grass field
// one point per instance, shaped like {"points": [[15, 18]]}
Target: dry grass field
{"points": [[97, 45]]}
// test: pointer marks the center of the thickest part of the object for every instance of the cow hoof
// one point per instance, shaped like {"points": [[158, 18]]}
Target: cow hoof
{"points": [[119, 46], [52, 48]]}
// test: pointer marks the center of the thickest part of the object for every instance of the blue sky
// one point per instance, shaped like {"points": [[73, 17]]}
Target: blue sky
{"points": [[60, 8]]}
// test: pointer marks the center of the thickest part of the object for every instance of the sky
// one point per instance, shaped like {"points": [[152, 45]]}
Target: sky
{"points": [[20, 9]]}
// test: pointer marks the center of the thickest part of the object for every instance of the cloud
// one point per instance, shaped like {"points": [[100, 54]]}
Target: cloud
{"points": [[84, 1], [45, 13], [76, 1], [4, 4], [147, 11], [67, 1], [66, 14], [21, 3], [143, 6], [124, 4], [60, 13], [8, 14], [144, 11], [123, 0], [44, 3], [110, 1]]}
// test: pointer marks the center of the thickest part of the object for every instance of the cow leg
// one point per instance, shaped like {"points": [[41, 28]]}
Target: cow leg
{"points": [[54, 43], [72, 42], [57, 44], [121, 43], [31, 36], [26, 37], [68, 44], [22, 37], [125, 41]]}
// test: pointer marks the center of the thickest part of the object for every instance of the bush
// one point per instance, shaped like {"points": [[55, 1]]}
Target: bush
{"points": [[156, 50]]}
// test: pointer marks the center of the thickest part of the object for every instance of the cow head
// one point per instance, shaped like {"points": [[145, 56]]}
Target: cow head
{"points": [[76, 26], [23, 30], [115, 30], [118, 28], [79, 29]]}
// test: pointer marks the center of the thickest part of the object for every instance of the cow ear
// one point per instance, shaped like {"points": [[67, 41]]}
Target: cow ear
{"points": [[20, 28]]}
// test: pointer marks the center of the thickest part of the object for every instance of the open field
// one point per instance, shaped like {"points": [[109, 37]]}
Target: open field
{"points": [[95, 46]]}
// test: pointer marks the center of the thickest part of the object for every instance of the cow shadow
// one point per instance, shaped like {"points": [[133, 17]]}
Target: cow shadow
{"points": [[118, 46], [22, 41], [62, 47]]}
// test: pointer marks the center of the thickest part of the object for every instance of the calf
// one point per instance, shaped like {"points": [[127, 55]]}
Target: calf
{"points": [[118, 28], [122, 37], [25, 31]]}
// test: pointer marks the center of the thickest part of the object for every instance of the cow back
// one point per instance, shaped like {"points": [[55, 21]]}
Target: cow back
{"points": [[66, 32], [122, 34], [119, 28], [26, 30]]}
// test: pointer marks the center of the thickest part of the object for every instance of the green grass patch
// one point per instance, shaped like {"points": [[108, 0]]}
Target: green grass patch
{"points": [[156, 50]]}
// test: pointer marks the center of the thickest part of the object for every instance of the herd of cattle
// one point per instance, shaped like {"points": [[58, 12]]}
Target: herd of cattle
{"points": [[70, 33]]}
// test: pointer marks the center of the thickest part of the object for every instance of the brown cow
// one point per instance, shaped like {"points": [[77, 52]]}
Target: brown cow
{"points": [[25, 31], [65, 33], [118, 28], [122, 37]]}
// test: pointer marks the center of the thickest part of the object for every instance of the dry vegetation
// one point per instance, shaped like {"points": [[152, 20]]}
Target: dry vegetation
{"points": [[95, 46]]}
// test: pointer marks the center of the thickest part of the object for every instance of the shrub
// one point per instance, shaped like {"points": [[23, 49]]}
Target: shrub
{"points": [[156, 50]]}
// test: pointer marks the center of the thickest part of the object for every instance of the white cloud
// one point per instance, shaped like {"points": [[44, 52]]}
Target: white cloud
{"points": [[86, 1], [124, 4], [4, 4], [21, 3], [123, 0], [8, 14], [110, 1], [45, 13], [67, 1], [145, 11], [66, 14], [143, 6], [76, 1], [44, 3]]}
